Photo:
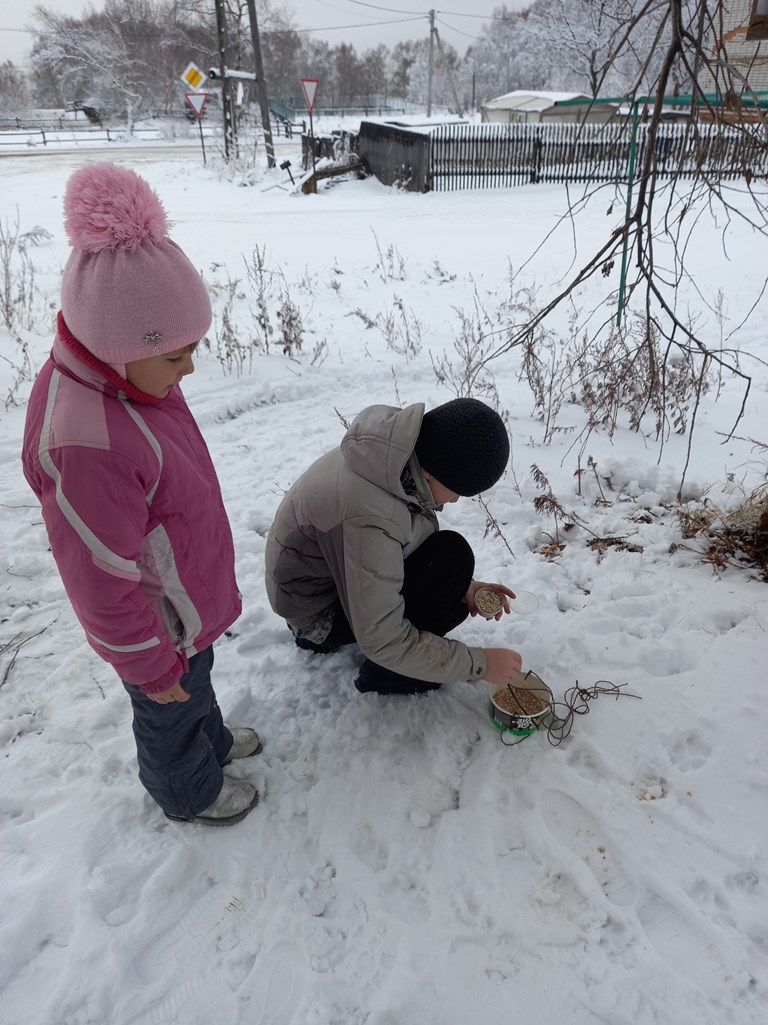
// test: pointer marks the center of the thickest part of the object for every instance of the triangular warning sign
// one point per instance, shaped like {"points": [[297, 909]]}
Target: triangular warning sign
{"points": [[309, 85], [196, 101]]}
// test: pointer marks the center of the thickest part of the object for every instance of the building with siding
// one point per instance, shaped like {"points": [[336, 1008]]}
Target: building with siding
{"points": [[738, 55], [523, 106]]}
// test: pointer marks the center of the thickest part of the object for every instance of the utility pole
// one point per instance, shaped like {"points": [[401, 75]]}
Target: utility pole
{"points": [[456, 99], [261, 85], [227, 101], [431, 61]]}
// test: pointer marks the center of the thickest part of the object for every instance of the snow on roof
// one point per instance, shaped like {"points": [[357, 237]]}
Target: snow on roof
{"points": [[523, 99], [417, 122]]}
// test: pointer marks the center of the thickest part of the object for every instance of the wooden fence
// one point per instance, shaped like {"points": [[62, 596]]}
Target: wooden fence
{"points": [[463, 156], [495, 155], [396, 155]]}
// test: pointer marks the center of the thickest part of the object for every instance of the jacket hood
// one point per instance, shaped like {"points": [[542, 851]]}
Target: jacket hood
{"points": [[380, 442]]}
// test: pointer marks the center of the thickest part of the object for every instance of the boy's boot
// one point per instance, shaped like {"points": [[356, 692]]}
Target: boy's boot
{"points": [[376, 678]]}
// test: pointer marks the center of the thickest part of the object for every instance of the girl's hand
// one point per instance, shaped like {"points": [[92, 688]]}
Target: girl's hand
{"points": [[503, 592], [174, 693]]}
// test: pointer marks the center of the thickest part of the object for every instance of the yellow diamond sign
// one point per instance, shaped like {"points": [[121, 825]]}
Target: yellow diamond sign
{"points": [[193, 76]]}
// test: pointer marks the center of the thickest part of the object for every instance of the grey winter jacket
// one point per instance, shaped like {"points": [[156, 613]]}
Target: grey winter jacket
{"points": [[342, 533]]}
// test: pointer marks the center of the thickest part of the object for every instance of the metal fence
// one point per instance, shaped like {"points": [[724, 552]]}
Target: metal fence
{"points": [[291, 110], [465, 156], [34, 137]]}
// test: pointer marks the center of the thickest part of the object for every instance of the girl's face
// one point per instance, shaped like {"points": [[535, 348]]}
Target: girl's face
{"points": [[157, 375]]}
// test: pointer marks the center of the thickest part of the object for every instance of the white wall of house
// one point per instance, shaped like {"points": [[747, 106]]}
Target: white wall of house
{"points": [[730, 49]]}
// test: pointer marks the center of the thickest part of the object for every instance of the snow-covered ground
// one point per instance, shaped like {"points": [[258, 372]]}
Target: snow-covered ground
{"points": [[404, 867]]}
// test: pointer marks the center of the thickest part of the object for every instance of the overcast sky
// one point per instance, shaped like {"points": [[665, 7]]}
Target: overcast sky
{"points": [[364, 24]]}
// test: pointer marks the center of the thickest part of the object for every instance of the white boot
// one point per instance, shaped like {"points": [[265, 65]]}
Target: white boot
{"points": [[245, 743], [235, 800]]}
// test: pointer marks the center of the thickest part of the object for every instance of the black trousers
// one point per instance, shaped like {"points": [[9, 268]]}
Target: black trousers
{"points": [[182, 746], [436, 579]]}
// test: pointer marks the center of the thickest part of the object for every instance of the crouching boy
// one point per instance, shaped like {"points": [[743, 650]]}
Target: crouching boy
{"points": [[355, 554]]}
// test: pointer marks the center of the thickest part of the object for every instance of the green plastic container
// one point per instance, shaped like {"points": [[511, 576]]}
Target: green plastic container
{"points": [[520, 724]]}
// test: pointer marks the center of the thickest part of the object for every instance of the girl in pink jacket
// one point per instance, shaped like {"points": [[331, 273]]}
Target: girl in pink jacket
{"points": [[130, 499]]}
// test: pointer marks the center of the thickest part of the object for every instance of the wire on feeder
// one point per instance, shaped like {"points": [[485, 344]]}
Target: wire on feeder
{"points": [[575, 702]]}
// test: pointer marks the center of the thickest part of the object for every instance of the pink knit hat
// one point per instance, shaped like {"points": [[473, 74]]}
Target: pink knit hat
{"points": [[128, 291]]}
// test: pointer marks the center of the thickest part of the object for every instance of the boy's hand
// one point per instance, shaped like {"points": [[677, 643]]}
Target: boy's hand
{"points": [[174, 693], [502, 665], [503, 592]]}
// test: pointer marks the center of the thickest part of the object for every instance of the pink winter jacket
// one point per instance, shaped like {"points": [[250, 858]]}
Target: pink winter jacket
{"points": [[134, 515]]}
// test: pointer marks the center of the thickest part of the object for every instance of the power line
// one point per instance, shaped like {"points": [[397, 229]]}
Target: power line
{"points": [[365, 24], [457, 30], [335, 7], [391, 10], [460, 14], [454, 14]]}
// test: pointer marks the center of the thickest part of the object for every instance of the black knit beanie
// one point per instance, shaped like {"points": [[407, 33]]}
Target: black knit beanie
{"points": [[464, 444]]}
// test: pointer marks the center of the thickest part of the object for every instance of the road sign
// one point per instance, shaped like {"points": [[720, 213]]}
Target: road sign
{"points": [[309, 85], [196, 102], [193, 76]]}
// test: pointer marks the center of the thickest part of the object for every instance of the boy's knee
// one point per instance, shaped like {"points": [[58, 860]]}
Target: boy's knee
{"points": [[455, 544]]}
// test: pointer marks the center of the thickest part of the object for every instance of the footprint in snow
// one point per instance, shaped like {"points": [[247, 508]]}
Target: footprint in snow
{"points": [[579, 831], [276, 986], [186, 941], [195, 1002], [681, 945], [690, 752]]}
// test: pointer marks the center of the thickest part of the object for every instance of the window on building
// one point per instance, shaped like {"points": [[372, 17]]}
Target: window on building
{"points": [[758, 20]]}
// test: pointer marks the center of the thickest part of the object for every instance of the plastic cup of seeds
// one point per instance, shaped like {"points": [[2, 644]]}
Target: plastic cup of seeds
{"points": [[521, 706], [488, 603]]}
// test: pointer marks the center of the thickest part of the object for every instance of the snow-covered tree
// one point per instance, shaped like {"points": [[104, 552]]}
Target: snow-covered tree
{"points": [[410, 71], [601, 47], [282, 50], [120, 60], [14, 90], [506, 56], [373, 71]]}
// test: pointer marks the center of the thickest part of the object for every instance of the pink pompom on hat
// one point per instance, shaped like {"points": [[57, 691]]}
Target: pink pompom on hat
{"points": [[128, 291]]}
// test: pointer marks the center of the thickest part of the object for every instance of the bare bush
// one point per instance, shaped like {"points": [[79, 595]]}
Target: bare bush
{"points": [[401, 329], [260, 279], [232, 352], [732, 533], [390, 265], [468, 376], [18, 298], [245, 311], [547, 504], [18, 291], [368, 321], [291, 324], [628, 371]]}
